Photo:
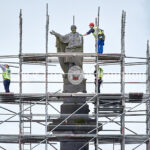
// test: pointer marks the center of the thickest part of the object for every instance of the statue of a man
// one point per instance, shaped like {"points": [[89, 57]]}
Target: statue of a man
{"points": [[71, 43]]}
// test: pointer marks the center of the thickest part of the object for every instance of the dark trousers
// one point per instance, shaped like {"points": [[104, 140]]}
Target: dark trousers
{"points": [[99, 84], [6, 85], [100, 46]]}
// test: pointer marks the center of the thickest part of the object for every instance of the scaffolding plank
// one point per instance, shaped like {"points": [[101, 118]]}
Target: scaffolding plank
{"points": [[42, 56], [86, 60], [59, 97], [103, 139]]}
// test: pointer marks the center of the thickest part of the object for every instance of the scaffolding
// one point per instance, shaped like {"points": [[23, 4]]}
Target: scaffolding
{"points": [[108, 108]]}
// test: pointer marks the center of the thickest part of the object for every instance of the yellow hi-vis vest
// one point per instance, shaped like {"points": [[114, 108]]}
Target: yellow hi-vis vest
{"points": [[6, 74], [100, 32], [100, 72]]}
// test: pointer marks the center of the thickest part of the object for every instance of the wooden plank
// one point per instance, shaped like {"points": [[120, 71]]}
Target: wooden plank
{"points": [[67, 54], [34, 59], [103, 138]]}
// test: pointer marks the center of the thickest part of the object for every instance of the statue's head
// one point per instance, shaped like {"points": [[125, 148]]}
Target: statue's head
{"points": [[73, 28]]}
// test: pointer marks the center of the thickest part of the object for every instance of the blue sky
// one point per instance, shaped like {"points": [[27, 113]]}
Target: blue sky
{"points": [[61, 13]]}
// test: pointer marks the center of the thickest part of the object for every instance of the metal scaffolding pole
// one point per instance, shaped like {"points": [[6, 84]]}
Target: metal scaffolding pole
{"points": [[65, 120], [96, 86], [46, 76], [123, 78], [97, 98], [107, 122], [148, 102], [20, 77], [73, 20], [2, 148]]}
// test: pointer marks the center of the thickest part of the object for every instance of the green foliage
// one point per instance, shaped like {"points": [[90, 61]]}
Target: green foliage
{"points": [[80, 121]]}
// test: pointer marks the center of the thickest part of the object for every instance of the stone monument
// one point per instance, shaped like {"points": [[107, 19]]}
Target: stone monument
{"points": [[72, 43]]}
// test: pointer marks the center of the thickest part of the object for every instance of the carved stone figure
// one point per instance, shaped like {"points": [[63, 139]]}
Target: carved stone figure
{"points": [[70, 43]]}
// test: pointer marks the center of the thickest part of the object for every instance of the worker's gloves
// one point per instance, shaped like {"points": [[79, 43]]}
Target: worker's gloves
{"points": [[100, 37], [52, 32]]}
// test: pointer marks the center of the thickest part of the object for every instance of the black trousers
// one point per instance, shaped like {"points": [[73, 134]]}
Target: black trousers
{"points": [[6, 85], [99, 84]]}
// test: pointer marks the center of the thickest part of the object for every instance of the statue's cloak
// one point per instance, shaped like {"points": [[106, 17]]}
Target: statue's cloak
{"points": [[71, 43]]}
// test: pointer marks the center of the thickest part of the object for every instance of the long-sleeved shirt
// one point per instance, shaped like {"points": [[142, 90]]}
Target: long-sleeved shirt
{"points": [[6, 72], [90, 31], [3, 68], [100, 36]]}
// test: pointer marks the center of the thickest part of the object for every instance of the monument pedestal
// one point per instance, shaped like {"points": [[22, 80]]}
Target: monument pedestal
{"points": [[73, 146], [78, 125]]}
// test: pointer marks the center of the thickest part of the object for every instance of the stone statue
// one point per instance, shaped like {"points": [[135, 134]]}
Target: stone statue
{"points": [[71, 43]]}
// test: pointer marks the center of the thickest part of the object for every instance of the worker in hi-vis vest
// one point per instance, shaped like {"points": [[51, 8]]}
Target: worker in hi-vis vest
{"points": [[101, 37], [99, 76], [6, 77]]}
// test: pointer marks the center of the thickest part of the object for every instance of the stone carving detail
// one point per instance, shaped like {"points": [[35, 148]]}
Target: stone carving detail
{"points": [[70, 43]]}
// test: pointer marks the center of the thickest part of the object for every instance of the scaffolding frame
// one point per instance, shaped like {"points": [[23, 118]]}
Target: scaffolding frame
{"points": [[44, 99]]}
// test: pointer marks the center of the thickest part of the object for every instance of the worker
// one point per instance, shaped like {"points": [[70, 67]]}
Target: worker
{"points": [[6, 77], [98, 76], [101, 36]]}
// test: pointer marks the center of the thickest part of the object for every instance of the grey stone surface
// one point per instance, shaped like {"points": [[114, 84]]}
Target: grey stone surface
{"points": [[70, 108], [71, 42], [74, 100], [70, 88], [73, 146]]}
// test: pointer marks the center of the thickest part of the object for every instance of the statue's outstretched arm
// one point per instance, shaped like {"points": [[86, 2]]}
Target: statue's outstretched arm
{"points": [[55, 33]]}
